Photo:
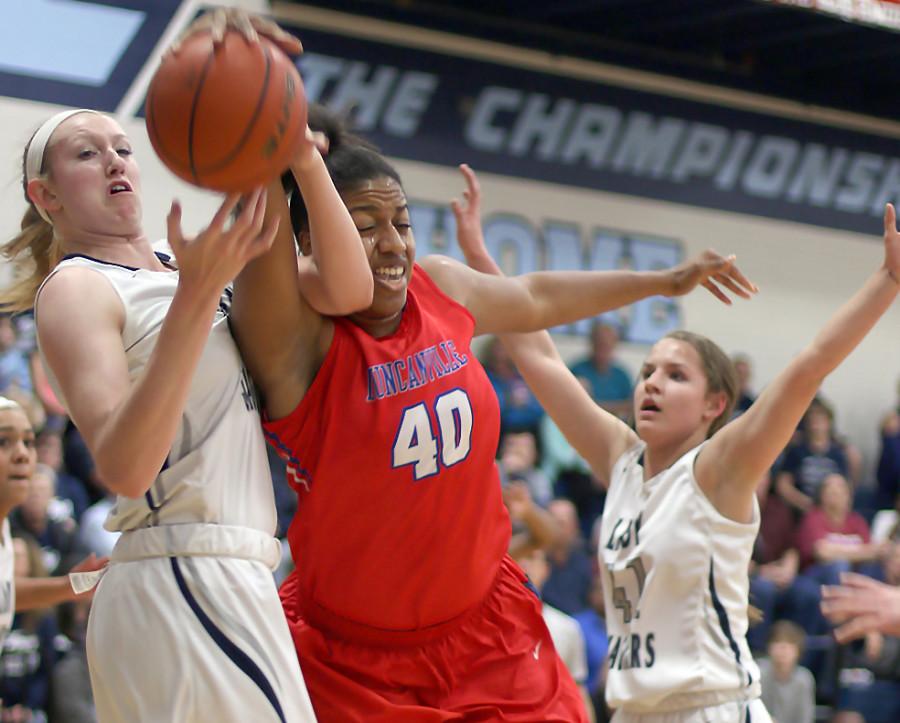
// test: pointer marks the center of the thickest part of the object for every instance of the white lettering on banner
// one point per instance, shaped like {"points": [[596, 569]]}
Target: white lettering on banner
{"points": [[380, 96], [622, 142], [520, 247]]}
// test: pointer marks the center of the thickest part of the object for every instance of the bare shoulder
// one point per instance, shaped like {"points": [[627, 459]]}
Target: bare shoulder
{"points": [[453, 278], [75, 297]]}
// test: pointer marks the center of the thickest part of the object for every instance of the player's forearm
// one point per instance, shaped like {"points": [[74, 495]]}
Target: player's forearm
{"points": [[344, 282], [563, 297], [132, 445], [41, 592], [846, 328]]}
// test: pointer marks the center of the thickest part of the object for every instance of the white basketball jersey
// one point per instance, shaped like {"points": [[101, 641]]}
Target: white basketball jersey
{"points": [[7, 581], [217, 470], [676, 589]]}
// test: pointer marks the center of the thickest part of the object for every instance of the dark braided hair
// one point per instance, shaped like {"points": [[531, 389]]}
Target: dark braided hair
{"points": [[351, 161]]}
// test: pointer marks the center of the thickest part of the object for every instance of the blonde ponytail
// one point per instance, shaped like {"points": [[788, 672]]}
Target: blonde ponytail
{"points": [[33, 252]]}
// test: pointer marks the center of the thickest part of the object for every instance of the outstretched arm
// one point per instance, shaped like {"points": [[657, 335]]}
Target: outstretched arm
{"points": [[597, 435], [738, 454], [862, 605]]}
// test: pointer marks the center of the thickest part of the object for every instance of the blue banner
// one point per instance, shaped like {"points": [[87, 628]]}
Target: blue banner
{"points": [[443, 109]]}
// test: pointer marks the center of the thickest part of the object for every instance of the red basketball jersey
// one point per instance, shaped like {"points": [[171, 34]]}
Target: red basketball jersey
{"points": [[400, 522]]}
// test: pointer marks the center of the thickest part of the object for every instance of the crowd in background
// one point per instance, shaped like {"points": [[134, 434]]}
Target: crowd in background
{"points": [[819, 517]]}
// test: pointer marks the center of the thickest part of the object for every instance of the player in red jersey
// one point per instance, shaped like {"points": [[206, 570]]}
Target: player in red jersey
{"points": [[404, 605]]}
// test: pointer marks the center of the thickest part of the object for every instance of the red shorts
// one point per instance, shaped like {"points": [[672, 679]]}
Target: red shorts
{"points": [[495, 662]]}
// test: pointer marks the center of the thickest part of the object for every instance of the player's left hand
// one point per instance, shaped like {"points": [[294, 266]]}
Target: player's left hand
{"points": [[467, 212], [891, 243], [712, 272], [218, 21]]}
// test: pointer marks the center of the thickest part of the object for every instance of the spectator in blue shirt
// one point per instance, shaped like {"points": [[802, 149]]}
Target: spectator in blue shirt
{"points": [[609, 382]]}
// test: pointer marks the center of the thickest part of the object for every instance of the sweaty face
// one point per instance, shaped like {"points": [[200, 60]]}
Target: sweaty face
{"points": [[381, 215], [94, 177], [17, 456], [671, 402]]}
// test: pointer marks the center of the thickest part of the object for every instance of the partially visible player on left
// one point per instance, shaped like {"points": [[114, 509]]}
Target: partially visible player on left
{"points": [[17, 462]]}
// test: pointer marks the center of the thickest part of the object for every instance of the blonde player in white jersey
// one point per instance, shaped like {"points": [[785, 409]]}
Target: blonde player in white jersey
{"points": [[186, 623], [681, 513]]}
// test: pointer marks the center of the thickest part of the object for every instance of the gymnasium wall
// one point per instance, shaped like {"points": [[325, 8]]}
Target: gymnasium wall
{"points": [[807, 251]]}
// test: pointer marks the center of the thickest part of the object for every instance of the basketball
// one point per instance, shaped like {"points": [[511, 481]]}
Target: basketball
{"points": [[226, 117]]}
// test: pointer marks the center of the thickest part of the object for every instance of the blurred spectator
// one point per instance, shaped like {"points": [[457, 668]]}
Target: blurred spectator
{"points": [[564, 630], [889, 462], [519, 409], [92, 533], [788, 689], [26, 663], [814, 456], [56, 537], [15, 371], [79, 463], [69, 489], [886, 525], [532, 526], [609, 382], [832, 538], [571, 571], [518, 463], [775, 587], [596, 641], [56, 413], [744, 369], [71, 699]]}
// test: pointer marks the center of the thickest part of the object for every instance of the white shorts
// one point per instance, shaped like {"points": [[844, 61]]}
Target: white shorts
{"points": [[734, 712], [193, 638]]}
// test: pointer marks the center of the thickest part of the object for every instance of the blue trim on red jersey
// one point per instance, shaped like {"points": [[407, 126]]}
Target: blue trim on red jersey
{"points": [[285, 453], [237, 656]]}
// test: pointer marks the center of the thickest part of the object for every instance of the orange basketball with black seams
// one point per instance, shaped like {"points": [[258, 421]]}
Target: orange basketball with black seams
{"points": [[227, 117]]}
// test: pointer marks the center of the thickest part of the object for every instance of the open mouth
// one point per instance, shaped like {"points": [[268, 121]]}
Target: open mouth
{"points": [[390, 274], [649, 406], [119, 187]]}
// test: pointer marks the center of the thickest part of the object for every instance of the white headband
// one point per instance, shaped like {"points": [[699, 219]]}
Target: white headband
{"points": [[35, 158], [7, 403]]}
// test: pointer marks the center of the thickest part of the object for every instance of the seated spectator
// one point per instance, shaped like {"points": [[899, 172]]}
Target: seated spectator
{"points": [[609, 382], [564, 630], [55, 536], [888, 474], [71, 698], [79, 463], [93, 537], [69, 490], [26, 663], [56, 412], [886, 524], [788, 689], [15, 370], [519, 409], [532, 526], [808, 461], [870, 678], [775, 587], [571, 570], [744, 369], [596, 641], [518, 463], [832, 538]]}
